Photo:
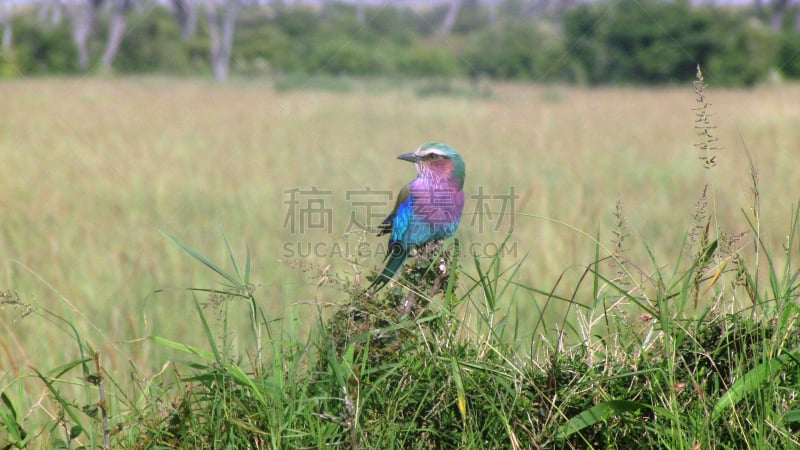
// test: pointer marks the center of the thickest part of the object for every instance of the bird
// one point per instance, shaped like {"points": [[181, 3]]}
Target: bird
{"points": [[427, 209]]}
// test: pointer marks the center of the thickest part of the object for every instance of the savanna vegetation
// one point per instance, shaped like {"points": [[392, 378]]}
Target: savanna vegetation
{"points": [[610, 42], [162, 289]]}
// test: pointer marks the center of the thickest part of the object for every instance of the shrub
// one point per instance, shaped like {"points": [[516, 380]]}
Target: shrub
{"points": [[424, 61], [520, 50], [153, 44], [788, 55], [41, 49], [656, 42]]}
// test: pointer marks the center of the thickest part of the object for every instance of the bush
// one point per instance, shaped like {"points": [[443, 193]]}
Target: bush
{"points": [[40, 49], [297, 22], [269, 43], [153, 44], [656, 42], [517, 51], [788, 59], [344, 56], [425, 61], [745, 53]]}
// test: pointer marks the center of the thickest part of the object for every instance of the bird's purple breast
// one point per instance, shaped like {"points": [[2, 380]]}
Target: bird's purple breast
{"points": [[438, 203]]}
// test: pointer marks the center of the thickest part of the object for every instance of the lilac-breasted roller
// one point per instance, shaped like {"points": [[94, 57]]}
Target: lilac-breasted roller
{"points": [[427, 209]]}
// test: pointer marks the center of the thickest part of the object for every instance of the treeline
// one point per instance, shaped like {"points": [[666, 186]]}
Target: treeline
{"points": [[616, 41]]}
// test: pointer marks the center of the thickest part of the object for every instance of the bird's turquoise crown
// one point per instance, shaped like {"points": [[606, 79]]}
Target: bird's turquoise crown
{"points": [[438, 148]]}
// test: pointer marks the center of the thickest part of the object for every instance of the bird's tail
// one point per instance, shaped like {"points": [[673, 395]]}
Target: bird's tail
{"points": [[394, 259]]}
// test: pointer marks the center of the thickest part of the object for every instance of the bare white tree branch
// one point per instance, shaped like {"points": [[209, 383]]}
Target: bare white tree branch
{"points": [[186, 14], [50, 11], [450, 18], [221, 25], [83, 16], [116, 32], [6, 14]]}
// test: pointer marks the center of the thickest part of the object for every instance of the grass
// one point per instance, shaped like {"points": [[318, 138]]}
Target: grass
{"points": [[676, 338]]}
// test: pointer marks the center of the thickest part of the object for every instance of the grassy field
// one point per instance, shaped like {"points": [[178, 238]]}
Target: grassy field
{"points": [[94, 170]]}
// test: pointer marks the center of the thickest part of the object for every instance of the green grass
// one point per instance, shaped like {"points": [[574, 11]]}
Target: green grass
{"points": [[632, 314]]}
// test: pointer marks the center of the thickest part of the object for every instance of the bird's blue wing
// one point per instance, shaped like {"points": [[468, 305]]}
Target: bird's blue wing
{"points": [[397, 224], [387, 226], [402, 220]]}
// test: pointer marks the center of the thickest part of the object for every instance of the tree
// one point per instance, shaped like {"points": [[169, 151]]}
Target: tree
{"points": [[83, 16], [186, 14], [776, 12], [50, 12], [450, 18], [221, 24], [361, 12], [779, 8], [116, 31], [5, 21]]}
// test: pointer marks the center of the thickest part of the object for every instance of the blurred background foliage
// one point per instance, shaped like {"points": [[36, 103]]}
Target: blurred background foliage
{"points": [[609, 42]]}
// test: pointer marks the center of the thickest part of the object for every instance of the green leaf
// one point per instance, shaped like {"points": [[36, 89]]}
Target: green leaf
{"points": [[205, 354], [62, 369], [59, 398], [75, 431], [792, 416], [9, 420], [244, 380], [462, 396], [602, 412], [9, 404], [207, 330], [751, 382], [194, 254]]}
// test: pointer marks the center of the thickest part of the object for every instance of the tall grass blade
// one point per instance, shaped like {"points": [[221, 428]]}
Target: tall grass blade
{"points": [[65, 404], [10, 421], [462, 398], [752, 381], [602, 412], [792, 416], [205, 261], [205, 354]]}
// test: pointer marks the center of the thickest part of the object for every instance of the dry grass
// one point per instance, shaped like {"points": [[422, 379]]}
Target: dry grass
{"points": [[92, 169]]}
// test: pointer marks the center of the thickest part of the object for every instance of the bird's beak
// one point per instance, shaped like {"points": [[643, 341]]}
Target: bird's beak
{"points": [[410, 157]]}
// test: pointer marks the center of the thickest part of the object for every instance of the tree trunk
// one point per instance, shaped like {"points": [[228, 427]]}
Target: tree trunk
{"points": [[450, 18], [49, 13], [83, 15], [116, 32], [492, 15], [797, 22], [361, 12], [758, 7], [220, 30], [325, 10], [8, 32], [186, 14], [778, 13]]}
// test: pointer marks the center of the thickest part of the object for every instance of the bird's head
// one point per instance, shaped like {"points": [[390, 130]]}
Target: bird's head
{"points": [[436, 160]]}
